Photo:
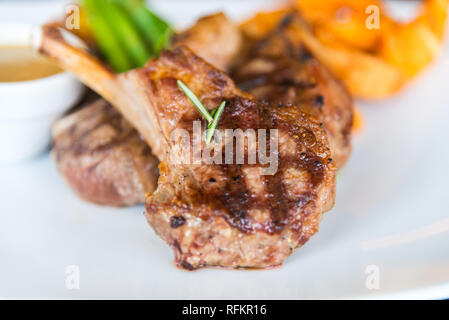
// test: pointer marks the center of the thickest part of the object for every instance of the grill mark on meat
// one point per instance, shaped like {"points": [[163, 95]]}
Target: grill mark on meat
{"points": [[235, 197], [279, 205], [276, 200]]}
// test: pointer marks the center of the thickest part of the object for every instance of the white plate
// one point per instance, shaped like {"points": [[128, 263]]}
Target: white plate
{"points": [[391, 216]]}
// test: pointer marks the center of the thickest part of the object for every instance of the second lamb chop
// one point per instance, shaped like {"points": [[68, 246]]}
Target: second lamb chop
{"points": [[280, 69]]}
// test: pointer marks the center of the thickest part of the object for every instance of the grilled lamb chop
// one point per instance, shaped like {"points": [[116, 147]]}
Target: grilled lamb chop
{"points": [[225, 215], [281, 70], [102, 157], [231, 215], [99, 153]]}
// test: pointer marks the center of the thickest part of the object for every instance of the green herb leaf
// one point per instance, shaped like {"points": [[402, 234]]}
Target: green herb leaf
{"points": [[217, 115], [196, 102]]}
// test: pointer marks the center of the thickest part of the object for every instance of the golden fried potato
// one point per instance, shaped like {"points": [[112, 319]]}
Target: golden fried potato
{"points": [[353, 32], [434, 14], [410, 48], [374, 63]]}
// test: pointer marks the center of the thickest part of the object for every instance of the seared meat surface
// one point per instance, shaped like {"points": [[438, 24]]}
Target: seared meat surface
{"points": [[281, 70], [102, 157], [228, 215]]}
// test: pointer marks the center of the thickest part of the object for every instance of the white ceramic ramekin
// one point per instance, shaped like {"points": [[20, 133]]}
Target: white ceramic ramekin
{"points": [[29, 108]]}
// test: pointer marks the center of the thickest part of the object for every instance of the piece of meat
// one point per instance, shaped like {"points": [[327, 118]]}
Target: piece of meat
{"points": [[213, 38], [227, 215], [231, 215], [281, 70], [102, 157]]}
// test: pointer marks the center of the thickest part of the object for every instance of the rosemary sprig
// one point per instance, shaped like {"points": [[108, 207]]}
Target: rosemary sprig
{"points": [[216, 114], [213, 118], [196, 102]]}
